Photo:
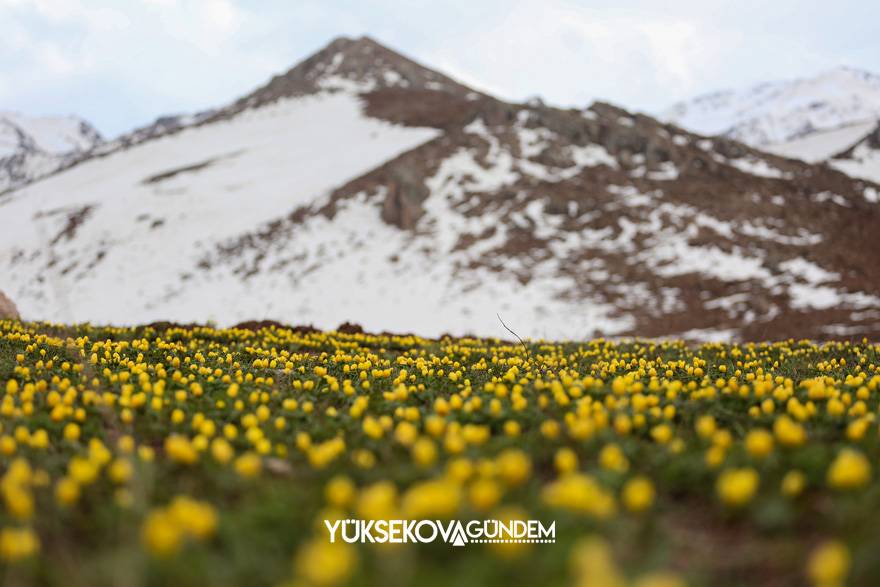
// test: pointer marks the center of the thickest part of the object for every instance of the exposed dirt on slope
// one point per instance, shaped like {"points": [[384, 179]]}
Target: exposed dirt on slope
{"points": [[721, 197]]}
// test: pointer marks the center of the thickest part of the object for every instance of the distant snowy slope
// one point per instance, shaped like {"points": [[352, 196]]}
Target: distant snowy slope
{"points": [[147, 213], [820, 145], [814, 119], [862, 159], [51, 134], [31, 147], [776, 112]]}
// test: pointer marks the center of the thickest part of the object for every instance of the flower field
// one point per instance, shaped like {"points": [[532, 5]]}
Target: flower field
{"points": [[199, 456]]}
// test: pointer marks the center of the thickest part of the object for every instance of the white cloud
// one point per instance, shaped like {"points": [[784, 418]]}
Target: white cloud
{"points": [[122, 62], [207, 25], [222, 15], [570, 53], [94, 16]]}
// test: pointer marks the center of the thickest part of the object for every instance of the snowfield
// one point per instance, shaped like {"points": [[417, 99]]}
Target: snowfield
{"points": [[821, 145], [776, 112], [152, 211], [864, 163], [813, 119]]}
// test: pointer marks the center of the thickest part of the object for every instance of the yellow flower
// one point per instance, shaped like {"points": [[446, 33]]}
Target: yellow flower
{"points": [[857, 429], [249, 465], [39, 439], [424, 452], [715, 455], [99, 454], [146, 453], [196, 518], [793, 484], [638, 494], [377, 501], [662, 433], [514, 466], [66, 491], [120, 471], [565, 460], [611, 457], [484, 494], [221, 450], [435, 498], [320, 455], [363, 458], [125, 444], [71, 431], [850, 470], [788, 432], [737, 487], [406, 433], [435, 425], [580, 493], [18, 473], [340, 491], [459, 469], [593, 564], [180, 449], [161, 534], [759, 443], [18, 543], [8, 445], [165, 529], [325, 563], [372, 428], [81, 470], [828, 565], [19, 501], [550, 428], [512, 428], [705, 426]]}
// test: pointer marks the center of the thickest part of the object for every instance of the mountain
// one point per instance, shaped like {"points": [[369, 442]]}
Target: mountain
{"points": [[815, 119], [362, 186], [777, 112], [32, 147], [354, 66]]}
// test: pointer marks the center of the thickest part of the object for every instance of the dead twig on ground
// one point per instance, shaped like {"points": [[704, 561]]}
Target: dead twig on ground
{"points": [[541, 367]]}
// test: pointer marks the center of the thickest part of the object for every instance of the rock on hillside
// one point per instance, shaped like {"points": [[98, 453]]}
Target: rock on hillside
{"points": [[7, 308]]}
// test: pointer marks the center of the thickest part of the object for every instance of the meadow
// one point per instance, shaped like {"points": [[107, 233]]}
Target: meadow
{"points": [[172, 455]]}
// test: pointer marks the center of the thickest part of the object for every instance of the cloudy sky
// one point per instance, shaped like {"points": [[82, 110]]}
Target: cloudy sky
{"points": [[121, 63]]}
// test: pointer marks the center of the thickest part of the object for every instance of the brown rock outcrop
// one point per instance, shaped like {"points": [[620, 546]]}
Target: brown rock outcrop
{"points": [[7, 308]]}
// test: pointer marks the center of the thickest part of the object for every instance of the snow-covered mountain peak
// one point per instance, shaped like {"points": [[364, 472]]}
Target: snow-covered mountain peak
{"points": [[34, 146], [57, 135], [354, 65], [776, 112], [357, 67], [846, 73]]}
